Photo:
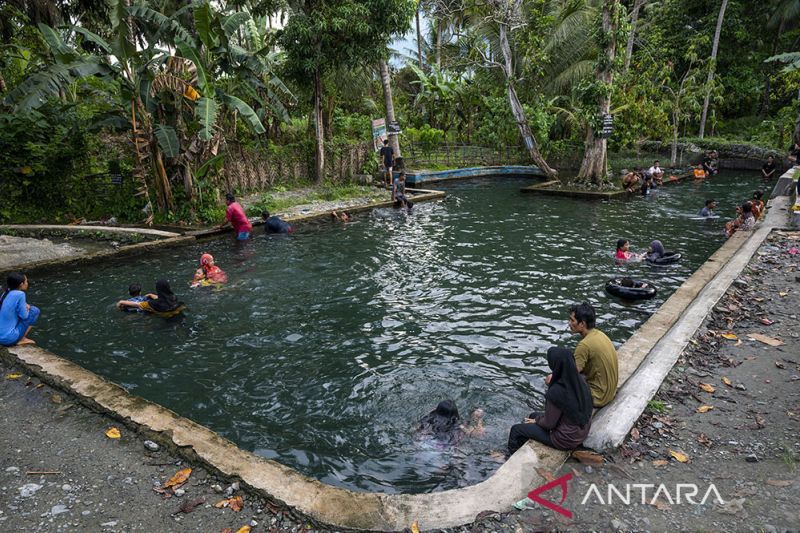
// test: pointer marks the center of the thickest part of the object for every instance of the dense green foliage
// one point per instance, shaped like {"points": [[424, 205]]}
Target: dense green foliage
{"points": [[159, 91]]}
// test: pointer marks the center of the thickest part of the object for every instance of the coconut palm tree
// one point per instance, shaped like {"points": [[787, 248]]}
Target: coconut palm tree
{"points": [[712, 67]]}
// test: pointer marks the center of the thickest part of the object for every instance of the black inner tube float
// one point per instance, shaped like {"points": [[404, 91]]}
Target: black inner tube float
{"points": [[667, 259], [639, 291]]}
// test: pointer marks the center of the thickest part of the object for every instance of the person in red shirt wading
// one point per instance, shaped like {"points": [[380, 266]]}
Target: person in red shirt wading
{"points": [[235, 217]]}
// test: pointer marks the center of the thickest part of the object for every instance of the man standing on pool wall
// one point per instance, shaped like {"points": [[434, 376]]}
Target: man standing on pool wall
{"points": [[236, 217], [595, 355]]}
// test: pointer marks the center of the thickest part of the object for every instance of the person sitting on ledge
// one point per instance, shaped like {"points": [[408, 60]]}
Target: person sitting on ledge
{"points": [[274, 224], [399, 192], [17, 316], [565, 422], [708, 210], [758, 204], [744, 221]]}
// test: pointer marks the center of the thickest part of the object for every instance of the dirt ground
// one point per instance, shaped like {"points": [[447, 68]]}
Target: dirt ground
{"points": [[747, 445], [97, 483]]}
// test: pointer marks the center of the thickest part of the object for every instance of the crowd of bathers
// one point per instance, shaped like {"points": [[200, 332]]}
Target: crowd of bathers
{"points": [[579, 382]]}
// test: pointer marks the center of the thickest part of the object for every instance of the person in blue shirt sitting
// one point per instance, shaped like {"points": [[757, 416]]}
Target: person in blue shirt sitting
{"points": [[274, 224], [17, 316], [399, 192]]}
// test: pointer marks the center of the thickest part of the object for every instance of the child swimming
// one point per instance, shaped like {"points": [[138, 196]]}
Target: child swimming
{"points": [[623, 253], [208, 273], [135, 295]]}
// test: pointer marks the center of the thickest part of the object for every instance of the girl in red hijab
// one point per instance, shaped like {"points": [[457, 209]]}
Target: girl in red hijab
{"points": [[208, 272]]}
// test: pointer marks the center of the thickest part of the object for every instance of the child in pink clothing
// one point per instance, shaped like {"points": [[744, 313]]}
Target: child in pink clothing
{"points": [[623, 254]]}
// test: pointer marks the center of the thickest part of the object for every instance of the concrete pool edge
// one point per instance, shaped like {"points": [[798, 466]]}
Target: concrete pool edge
{"points": [[347, 509], [423, 176]]}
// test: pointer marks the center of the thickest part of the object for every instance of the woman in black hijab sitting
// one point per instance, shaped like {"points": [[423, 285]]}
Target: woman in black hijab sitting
{"points": [[567, 415], [164, 303]]}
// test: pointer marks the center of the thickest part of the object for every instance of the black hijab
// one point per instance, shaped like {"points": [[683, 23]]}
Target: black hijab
{"points": [[442, 420], [568, 389], [167, 301]]}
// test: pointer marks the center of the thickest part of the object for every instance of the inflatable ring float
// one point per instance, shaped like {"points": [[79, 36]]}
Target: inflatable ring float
{"points": [[667, 259], [639, 291]]}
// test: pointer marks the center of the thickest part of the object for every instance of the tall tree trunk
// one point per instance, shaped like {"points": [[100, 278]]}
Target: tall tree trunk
{"points": [[386, 80], [674, 153], [419, 41], [629, 49], [712, 67], [319, 160], [517, 109], [594, 168], [438, 43]]}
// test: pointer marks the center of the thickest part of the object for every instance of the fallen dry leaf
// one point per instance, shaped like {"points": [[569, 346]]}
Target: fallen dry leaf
{"points": [[588, 457], [680, 457], [236, 503], [660, 462], [727, 382], [780, 365], [738, 343], [704, 440], [730, 336], [661, 506], [414, 527], [244, 529], [704, 408], [767, 321], [783, 294], [56, 398], [706, 387], [780, 482], [635, 434], [113, 433], [546, 474], [189, 505], [14, 375], [180, 477], [766, 340], [760, 422]]}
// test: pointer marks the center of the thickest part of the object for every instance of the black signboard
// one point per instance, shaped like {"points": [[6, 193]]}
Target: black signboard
{"points": [[393, 128], [116, 179], [607, 127]]}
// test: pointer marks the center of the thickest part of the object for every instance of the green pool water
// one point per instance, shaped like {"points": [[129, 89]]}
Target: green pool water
{"points": [[328, 345]]}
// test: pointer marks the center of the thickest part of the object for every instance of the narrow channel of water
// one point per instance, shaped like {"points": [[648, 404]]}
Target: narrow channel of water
{"points": [[328, 345]]}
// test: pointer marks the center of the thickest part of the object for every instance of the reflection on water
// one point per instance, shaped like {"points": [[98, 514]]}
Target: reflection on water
{"points": [[328, 345]]}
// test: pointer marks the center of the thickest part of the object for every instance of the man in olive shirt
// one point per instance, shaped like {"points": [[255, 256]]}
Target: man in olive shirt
{"points": [[595, 355]]}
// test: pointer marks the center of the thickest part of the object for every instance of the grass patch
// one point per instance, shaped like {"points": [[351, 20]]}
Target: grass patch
{"points": [[276, 201], [657, 406]]}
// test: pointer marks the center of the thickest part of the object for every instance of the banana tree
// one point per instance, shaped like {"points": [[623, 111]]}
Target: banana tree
{"points": [[161, 81]]}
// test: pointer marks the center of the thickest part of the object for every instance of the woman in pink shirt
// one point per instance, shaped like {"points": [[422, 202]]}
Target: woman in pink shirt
{"points": [[623, 253], [237, 218]]}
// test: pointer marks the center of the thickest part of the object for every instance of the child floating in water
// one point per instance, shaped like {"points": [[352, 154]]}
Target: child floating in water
{"points": [[623, 253], [208, 273], [135, 292]]}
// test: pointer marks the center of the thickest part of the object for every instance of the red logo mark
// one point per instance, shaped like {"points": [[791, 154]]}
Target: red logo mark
{"points": [[562, 482]]}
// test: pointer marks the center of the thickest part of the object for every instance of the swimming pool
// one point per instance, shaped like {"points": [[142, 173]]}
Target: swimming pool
{"points": [[328, 345]]}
